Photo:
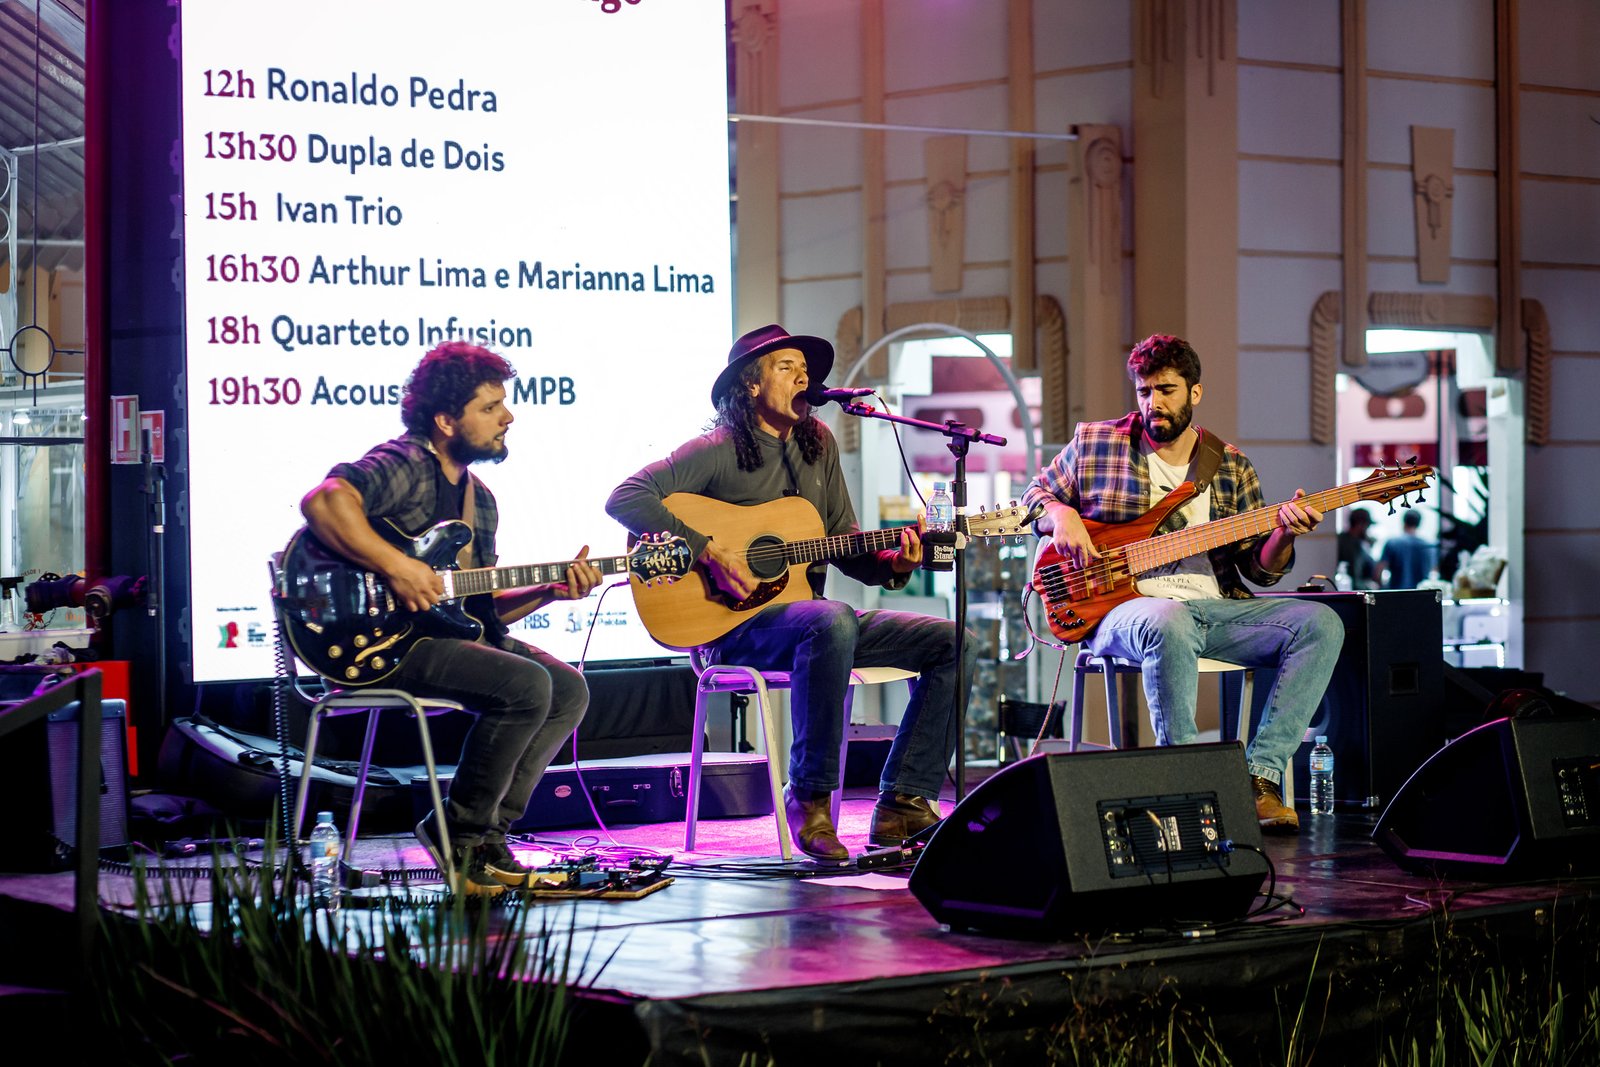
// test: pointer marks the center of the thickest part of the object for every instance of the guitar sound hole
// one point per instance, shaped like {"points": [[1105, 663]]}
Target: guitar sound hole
{"points": [[765, 557]]}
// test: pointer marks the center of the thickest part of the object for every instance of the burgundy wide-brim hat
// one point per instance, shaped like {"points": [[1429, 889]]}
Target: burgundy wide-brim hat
{"points": [[757, 343]]}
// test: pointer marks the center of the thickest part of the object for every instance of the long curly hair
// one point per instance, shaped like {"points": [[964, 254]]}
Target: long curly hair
{"points": [[446, 380], [736, 410]]}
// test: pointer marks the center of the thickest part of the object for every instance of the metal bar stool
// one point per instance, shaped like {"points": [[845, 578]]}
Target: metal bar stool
{"points": [[1110, 667], [333, 701], [759, 684]]}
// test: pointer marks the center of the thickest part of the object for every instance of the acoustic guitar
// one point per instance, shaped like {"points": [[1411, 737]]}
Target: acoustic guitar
{"points": [[345, 623], [1076, 599], [780, 539]]}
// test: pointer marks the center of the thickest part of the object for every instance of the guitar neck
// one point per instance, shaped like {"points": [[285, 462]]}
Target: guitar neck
{"points": [[1168, 548], [820, 548], [492, 579]]}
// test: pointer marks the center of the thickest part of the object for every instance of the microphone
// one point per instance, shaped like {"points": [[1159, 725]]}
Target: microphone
{"points": [[817, 395]]}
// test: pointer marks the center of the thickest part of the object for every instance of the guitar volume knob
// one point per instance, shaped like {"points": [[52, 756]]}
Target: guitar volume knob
{"points": [[352, 673], [360, 641], [334, 651]]}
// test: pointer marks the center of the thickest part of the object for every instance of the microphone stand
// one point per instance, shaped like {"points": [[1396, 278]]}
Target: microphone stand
{"points": [[960, 439]]}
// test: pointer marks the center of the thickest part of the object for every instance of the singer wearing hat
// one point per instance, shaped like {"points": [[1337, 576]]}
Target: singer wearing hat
{"points": [[765, 444]]}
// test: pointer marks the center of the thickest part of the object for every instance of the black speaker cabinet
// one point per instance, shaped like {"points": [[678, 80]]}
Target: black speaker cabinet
{"points": [[1513, 798], [1092, 841], [1384, 711], [41, 765]]}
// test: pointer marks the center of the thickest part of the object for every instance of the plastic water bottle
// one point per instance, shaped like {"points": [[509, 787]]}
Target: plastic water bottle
{"points": [[941, 512], [325, 848], [1342, 580], [1322, 777]]}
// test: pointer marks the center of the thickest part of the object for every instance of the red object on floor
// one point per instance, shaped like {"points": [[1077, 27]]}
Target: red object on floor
{"points": [[114, 686]]}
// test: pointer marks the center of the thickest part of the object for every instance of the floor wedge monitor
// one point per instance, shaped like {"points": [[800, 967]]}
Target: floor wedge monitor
{"points": [[1082, 843], [1514, 798]]}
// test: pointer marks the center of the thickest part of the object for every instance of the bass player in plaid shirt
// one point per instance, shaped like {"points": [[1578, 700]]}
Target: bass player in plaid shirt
{"points": [[1114, 472]]}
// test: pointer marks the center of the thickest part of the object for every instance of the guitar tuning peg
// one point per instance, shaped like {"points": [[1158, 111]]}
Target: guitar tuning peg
{"points": [[1422, 496], [1391, 507]]}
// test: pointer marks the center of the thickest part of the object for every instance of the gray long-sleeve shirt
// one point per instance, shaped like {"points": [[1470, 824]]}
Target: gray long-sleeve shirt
{"points": [[709, 466]]}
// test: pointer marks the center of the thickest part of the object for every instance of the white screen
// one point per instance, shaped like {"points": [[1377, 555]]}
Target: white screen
{"points": [[597, 142]]}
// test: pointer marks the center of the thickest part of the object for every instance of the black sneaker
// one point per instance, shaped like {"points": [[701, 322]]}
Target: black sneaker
{"points": [[502, 864], [471, 877]]}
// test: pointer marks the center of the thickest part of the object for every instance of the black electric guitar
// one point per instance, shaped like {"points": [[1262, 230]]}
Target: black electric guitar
{"points": [[345, 624]]}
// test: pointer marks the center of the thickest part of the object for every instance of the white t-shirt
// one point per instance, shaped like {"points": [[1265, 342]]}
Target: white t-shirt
{"points": [[1192, 577]]}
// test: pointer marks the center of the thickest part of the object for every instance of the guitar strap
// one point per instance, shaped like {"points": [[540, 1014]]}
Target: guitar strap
{"points": [[468, 508], [1207, 460]]}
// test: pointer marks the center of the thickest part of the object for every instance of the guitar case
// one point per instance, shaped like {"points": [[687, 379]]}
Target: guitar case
{"points": [[237, 772]]}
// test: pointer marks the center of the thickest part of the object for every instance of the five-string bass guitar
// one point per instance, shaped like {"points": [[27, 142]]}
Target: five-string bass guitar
{"points": [[345, 624], [1076, 599], [780, 539]]}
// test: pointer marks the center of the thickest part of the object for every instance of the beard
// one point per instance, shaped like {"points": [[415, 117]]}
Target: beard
{"points": [[466, 453], [1173, 429]]}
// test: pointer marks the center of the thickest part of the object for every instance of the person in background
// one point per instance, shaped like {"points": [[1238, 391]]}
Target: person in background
{"points": [[1408, 558], [1353, 550]]}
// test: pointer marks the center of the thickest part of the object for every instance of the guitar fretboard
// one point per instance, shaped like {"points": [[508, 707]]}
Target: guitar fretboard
{"points": [[821, 548], [492, 579], [1147, 555]]}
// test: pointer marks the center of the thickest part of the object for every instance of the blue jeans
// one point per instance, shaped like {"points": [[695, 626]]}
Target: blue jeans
{"points": [[818, 642], [1301, 639], [527, 702]]}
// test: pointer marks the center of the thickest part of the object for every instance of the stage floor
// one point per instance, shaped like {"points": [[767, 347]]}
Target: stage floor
{"points": [[744, 954]]}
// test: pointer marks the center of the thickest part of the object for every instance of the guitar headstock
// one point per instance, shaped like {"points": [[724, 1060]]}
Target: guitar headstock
{"points": [[659, 559], [1008, 521], [1385, 484]]}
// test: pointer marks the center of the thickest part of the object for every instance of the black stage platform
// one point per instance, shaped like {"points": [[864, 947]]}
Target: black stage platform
{"points": [[737, 957]]}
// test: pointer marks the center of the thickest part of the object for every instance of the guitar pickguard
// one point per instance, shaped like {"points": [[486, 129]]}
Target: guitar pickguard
{"points": [[765, 594]]}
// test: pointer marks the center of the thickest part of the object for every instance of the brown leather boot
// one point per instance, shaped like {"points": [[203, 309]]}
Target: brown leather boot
{"points": [[898, 816], [811, 826], [1275, 816]]}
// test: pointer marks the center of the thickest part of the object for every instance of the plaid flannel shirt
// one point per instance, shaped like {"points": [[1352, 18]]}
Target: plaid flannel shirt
{"points": [[399, 481], [1103, 476]]}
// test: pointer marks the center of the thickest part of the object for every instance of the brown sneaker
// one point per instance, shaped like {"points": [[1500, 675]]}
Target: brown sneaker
{"points": [[1272, 813], [898, 816], [811, 826]]}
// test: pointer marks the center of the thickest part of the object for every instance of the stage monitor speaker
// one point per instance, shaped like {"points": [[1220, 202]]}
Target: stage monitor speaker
{"points": [[42, 768], [1384, 710], [1513, 798], [1088, 842]]}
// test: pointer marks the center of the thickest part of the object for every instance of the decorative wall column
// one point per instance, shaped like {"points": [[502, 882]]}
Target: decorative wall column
{"points": [[754, 31], [874, 196], [1186, 192], [1019, 89], [1353, 184], [1096, 382], [1508, 351]]}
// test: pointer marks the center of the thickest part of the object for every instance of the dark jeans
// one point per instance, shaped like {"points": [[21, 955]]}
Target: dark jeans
{"points": [[527, 703], [818, 642]]}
